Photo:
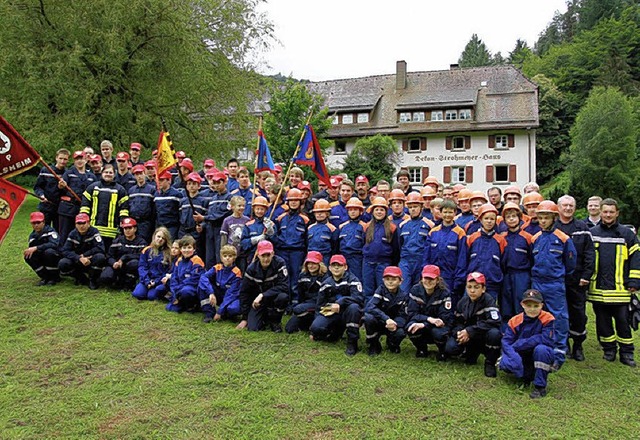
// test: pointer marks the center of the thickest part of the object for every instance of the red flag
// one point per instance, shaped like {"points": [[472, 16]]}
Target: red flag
{"points": [[16, 155], [11, 198], [311, 154]]}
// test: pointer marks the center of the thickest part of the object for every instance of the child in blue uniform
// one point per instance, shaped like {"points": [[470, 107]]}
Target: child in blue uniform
{"points": [[154, 263], [185, 277], [413, 237], [323, 236], [351, 237], [220, 285], [42, 255], [528, 344], [309, 282]]}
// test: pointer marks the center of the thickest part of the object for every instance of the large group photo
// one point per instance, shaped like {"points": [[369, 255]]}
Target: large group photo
{"points": [[450, 253]]}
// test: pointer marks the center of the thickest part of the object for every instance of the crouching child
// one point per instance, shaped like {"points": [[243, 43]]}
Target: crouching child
{"points": [[528, 344], [185, 277], [476, 327], [309, 282], [384, 313], [220, 286]]}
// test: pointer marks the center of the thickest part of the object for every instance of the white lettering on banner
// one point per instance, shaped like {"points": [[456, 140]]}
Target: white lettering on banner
{"points": [[16, 166], [457, 157]]}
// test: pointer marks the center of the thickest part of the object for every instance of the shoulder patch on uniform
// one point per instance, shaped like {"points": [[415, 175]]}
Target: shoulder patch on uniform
{"points": [[533, 237], [98, 238], [494, 314], [561, 235], [447, 304]]}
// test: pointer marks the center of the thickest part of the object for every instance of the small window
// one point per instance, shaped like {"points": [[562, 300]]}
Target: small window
{"points": [[451, 115], [347, 119], [464, 114], [405, 117], [457, 174], [341, 147], [414, 175], [501, 173], [414, 145], [436, 115], [457, 143], [335, 120], [363, 118], [502, 141], [418, 117]]}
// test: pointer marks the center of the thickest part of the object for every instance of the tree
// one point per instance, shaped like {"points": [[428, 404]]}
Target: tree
{"points": [[520, 53], [603, 150], [497, 59], [290, 105], [374, 157], [76, 72], [475, 54]]}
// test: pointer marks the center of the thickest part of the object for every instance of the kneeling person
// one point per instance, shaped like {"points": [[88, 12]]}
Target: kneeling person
{"points": [[220, 286], [84, 254], [123, 258], [309, 282], [42, 254]]}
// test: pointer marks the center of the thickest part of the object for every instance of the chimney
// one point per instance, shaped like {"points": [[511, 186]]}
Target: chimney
{"points": [[454, 66], [401, 75]]}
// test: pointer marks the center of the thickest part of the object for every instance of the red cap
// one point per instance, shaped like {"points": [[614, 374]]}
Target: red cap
{"points": [[165, 175], [122, 156], [277, 169], [477, 277], [304, 185], [338, 178], [334, 182], [180, 154], [95, 158], [209, 163], [338, 259], [36, 217], [361, 179], [78, 154], [374, 190], [187, 163], [82, 218], [211, 172], [392, 271], [194, 177], [265, 247], [216, 177], [150, 164], [313, 257], [126, 222], [135, 146], [137, 169], [430, 271]]}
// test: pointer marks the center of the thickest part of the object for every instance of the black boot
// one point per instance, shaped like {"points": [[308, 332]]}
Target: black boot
{"points": [[375, 348], [538, 392], [577, 353], [352, 347], [627, 359], [609, 355], [490, 369]]}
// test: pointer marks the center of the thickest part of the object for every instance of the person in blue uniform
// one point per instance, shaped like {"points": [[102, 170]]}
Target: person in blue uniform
{"points": [[76, 178], [322, 235], [141, 206], [83, 253], [47, 189], [351, 237], [167, 205], [185, 277], [413, 236], [220, 287], [257, 229], [123, 257], [42, 255], [309, 283], [217, 211], [153, 266]]}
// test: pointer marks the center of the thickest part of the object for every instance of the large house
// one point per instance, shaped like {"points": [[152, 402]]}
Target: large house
{"points": [[474, 125]]}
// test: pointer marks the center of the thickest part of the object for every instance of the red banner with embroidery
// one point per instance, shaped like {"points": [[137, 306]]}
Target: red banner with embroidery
{"points": [[11, 198], [16, 155]]}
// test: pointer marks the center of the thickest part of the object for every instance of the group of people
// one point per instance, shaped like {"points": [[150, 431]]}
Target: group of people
{"points": [[462, 270]]}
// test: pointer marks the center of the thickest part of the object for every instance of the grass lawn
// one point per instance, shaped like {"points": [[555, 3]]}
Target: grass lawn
{"points": [[99, 364]]}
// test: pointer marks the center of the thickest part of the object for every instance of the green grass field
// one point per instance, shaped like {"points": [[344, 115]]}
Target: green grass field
{"points": [[99, 364]]}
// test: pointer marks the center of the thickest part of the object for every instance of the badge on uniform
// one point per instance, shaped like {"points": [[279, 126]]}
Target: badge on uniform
{"points": [[98, 238], [359, 286], [447, 305], [494, 315]]}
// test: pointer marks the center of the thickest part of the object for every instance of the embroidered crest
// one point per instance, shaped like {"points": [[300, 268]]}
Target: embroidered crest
{"points": [[494, 314], [447, 305]]}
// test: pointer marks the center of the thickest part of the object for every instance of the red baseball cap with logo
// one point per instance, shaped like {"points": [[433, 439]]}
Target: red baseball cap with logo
{"points": [[187, 163], [362, 179], [135, 146], [194, 177], [150, 164], [137, 169], [392, 271], [128, 222], [338, 259], [313, 257], [82, 218], [165, 175], [78, 154], [95, 158], [122, 156], [36, 217], [334, 182], [477, 277], [209, 163], [180, 154], [217, 177], [265, 247], [430, 271]]}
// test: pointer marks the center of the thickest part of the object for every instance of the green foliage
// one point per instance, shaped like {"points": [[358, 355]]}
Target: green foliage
{"points": [[290, 106], [604, 152], [475, 54], [374, 157], [75, 72], [520, 53]]}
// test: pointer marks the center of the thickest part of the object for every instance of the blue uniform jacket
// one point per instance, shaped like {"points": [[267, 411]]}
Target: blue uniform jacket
{"points": [[447, 249], [464, 218], [344, 292], [152, 267], [472, 226], [338, 214], [309, 286], [187, 223], [141, 206], [186, 273], [421, 306], [413, 235], [532, 226], [351, 237], [291, 231], [125, 250], [218, 209], [585, 250], [167, 205], [270, 282], [397, 219], [224, 283], [88, 244], [554, 255], [322, 237], [247, 195], [485, 253], [47, 185], [476, 317], [517, 253], [47, 239], [381, 249], [78, 182], [385, 305], [126, 180], [522, 335]]}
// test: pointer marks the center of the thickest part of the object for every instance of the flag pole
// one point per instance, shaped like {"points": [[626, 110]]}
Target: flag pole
{"points": [[59, 179], [255, 165]]}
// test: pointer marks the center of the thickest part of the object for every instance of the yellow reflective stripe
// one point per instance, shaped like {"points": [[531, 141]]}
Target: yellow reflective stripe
{"points": [[85, 210], [123, 212], [107, 232], [609, 296], [94, 206], [112, 210], [634, 273], [633, 248], [619, 276], [624, 340], [611, 338]]}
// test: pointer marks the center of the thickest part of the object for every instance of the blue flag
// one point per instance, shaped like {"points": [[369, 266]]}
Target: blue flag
{"points": [[310, 154], [265, 161]]}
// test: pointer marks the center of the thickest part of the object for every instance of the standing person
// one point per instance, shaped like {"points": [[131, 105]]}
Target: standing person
{"points": [[48, 190], [106, 149], [232, 168], [167, 200], [107, 203], [322, 235], [397, 210], [554, 258], [362, 190], [83, 253], [351, 237], [77, 178], [257, 229], [153, 266], [244, 190], [338, 209], [464, 204], [495, 198], [123, 176], [616, 278], [123, 258], [593, 208], [141, 206], [42, 254], [134, 154], [403, 179], [193, 203], [413, 236], [577, 283], [217, 211], [264, 292]]}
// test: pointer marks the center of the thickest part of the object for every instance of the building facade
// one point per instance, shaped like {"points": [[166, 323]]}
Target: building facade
{"points": [[474, 126]]}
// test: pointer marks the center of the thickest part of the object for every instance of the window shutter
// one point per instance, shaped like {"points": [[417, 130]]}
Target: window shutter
{"points": [[468, 174], [467, 142], [448, 143], [489, 174], [446, 174], [423, 144], [511, 140], [492, 141], [425, 173], [512, 173], [405, 145]]}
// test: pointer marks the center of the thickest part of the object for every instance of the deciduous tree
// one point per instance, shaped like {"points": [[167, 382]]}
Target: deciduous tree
{"points": [[373, 156]]}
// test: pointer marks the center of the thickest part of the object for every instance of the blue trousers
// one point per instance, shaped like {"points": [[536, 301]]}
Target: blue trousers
{"points": [[141, 292], [487, 343], [430, 335], [375, 328], [294, 260], [555, 301], [372, 277], [213, 245], [355, 264], [535, 365], [269, 312], [411, 271], [302, 318], [185, 298], [331, 328], [45, 264], [515, 283]]}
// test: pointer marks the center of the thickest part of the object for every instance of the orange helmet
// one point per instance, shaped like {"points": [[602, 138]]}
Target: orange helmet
{"points": [[321, 205], [427, 191], [531, 198], [294, 194], [397, 194], [378, 201], [487, 207], [431, 180], [458, 187], [260, 201], [547, 206], [355, 202], [510, 205], [478, 195], [414, 197], [464, 194], [512, 190]]}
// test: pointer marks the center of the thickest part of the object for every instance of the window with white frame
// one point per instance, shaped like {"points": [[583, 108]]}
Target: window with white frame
{"points": [[464, 114], [363, 118], [415, 175], [502, 141], [457, 143], [457, 174], [347, 118], [451, 115], [436, 115], [501, 173], [405, 117], [418, 117], [414, 144], [341, 147], [335, 120]]}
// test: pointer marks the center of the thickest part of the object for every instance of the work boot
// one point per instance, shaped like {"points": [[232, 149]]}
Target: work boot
{"points": [[352, 347], [609, 355], [207, 319], [422, 353], [42, 282], [538, 392], [93, 284], [490, 369], [441, 357], [276, 327], [577, 353], [375, 348], [395, 349], [627, 359]]}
